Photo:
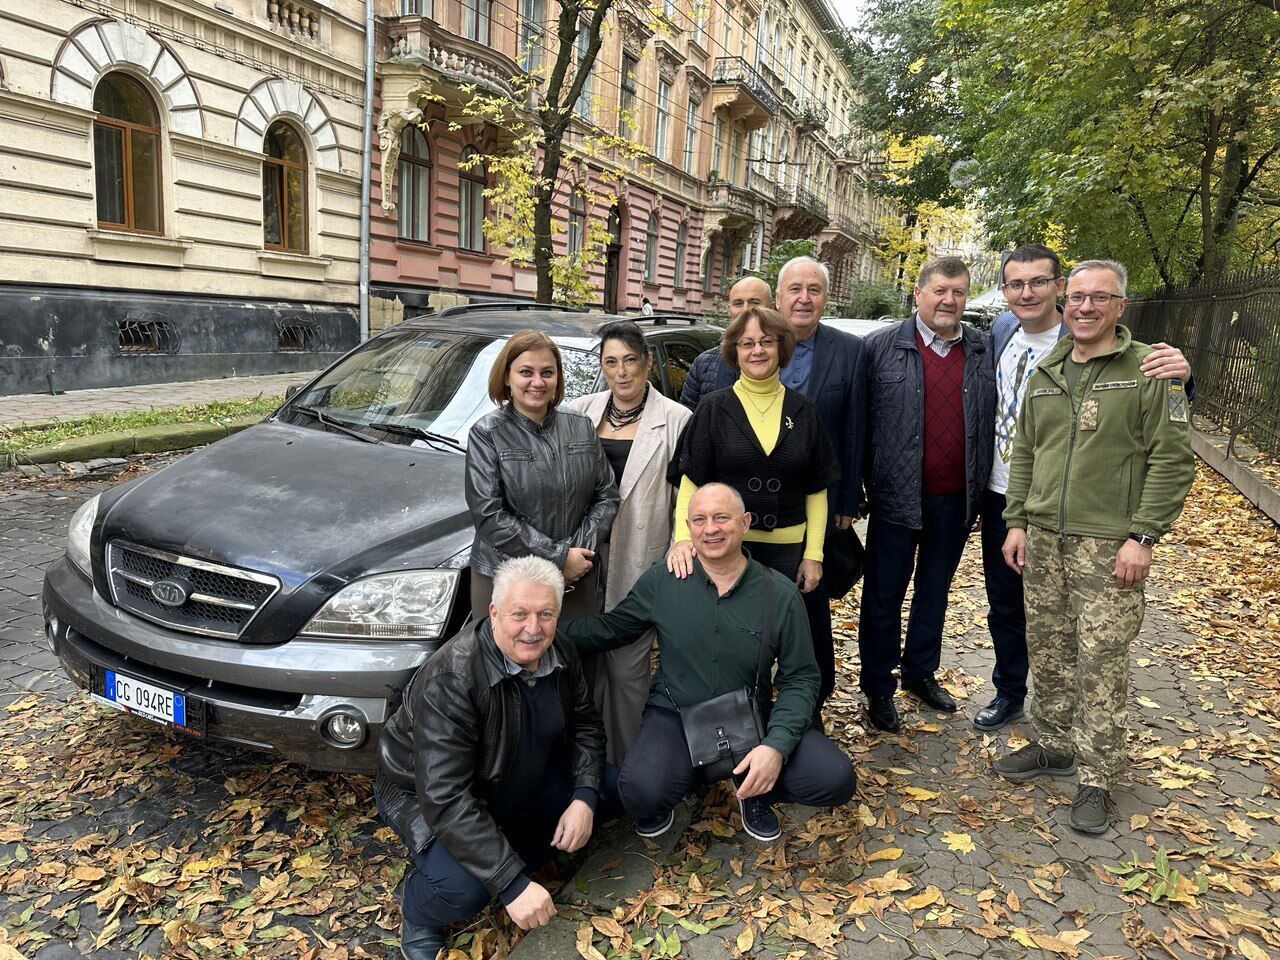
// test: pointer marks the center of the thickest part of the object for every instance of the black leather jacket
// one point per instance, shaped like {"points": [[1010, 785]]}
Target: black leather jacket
{"points": [[446, 751], [537, 488]]}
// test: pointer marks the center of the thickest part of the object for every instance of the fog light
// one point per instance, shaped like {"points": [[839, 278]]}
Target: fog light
{"points": [[51, 630], [344, 730]]}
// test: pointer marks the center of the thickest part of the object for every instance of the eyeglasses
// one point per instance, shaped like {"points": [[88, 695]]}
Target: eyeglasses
{"points": [[766, 343], [1099, 299], [1038, 285]]}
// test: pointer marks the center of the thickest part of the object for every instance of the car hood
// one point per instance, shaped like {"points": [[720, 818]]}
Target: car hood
{"points": [[312, 508]]}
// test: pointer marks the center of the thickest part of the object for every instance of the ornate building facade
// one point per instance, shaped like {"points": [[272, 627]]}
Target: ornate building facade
{"points": [[181, 188], [742, 112]]}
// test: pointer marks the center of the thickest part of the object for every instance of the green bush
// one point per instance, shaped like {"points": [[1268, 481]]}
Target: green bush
{"points": [[872, 299]]}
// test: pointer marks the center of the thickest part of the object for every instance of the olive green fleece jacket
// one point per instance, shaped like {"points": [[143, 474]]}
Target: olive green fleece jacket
{"points": [[1112, 459]]}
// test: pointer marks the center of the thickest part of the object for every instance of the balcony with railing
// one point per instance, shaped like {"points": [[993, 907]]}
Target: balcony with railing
{"points": [[300, 21], [736, 206], [742, 92], [801, 213], [811, 115], [418, 41]]}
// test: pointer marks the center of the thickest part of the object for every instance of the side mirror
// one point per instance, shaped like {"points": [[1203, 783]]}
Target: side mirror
{"points": [[291, 391]]}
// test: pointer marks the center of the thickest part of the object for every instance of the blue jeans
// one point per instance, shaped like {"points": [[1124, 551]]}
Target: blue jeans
{"points": [[438, 891]]}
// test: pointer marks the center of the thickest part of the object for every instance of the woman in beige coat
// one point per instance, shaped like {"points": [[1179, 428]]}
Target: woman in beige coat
{"points": [[638, 428]]}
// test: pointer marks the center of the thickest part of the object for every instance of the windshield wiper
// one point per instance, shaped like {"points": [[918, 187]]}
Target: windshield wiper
{"points": [[339, 425], [421, 433]]}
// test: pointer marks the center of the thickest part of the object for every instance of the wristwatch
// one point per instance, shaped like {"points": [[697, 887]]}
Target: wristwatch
{"points": [[1143, 539]]}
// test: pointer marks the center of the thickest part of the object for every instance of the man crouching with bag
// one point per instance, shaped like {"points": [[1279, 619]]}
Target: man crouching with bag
{"points": [[493, 762], [710, 715]]}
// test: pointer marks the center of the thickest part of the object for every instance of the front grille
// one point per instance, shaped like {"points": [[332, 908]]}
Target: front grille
{"points": [[220, 601]]}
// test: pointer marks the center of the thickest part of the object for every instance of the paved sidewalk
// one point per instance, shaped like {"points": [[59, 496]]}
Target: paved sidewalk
{"points": [[28, 408]]}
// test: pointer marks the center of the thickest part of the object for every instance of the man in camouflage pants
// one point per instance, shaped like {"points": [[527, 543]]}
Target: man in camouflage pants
{"points": [[1101, 466]]}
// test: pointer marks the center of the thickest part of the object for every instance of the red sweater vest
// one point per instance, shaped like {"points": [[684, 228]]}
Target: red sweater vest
{"points": [[943, 466]]}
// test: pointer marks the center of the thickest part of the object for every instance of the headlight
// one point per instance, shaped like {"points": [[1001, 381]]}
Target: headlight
{"points": [[78, 534], [409, 605]]}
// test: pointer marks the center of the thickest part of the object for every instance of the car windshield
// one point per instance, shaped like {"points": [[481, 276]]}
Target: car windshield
{"points": [[419, 385]]}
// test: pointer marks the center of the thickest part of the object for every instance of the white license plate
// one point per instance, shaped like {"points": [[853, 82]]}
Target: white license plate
{"points": [[164, 706]]}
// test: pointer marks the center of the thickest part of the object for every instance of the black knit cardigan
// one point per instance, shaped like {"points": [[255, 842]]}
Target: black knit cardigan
{"points": [[719, 445]]}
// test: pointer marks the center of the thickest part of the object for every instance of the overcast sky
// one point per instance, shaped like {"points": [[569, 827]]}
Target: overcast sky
{"points": [[848, 10]]}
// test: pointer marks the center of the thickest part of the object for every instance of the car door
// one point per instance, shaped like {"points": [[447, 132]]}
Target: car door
{"points": [[678, 351]]}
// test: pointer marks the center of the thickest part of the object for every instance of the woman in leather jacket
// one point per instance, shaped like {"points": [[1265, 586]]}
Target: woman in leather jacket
{"points": [[538, 481]]}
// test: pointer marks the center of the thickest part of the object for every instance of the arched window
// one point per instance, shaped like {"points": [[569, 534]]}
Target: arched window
{"points": [[414, 175], [651, 249], [126, 155], [284, 189], [471, 187], [577, 219], [682, 245]]}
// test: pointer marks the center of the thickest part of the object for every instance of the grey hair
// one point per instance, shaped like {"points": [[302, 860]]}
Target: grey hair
{"points": [[798, 261], [738, 502], [527, 570], [1115, 266]]}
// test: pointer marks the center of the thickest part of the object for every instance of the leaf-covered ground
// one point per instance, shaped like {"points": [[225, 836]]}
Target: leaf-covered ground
{"points": [[119, 842]]}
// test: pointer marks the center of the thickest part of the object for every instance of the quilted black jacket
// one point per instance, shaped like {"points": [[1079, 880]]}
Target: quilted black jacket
{"points": [[893, 466]]}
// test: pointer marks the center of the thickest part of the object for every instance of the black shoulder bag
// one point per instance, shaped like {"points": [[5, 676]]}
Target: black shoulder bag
{"points": [[721, 731]]}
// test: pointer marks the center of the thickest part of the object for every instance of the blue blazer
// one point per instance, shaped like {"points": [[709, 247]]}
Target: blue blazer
{"points": [[836, 386]]}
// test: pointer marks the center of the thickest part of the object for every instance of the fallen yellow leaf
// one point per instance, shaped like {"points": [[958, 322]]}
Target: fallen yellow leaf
{"points": [[746, 939], [959, 842], [888, 853], [1251, 951]]}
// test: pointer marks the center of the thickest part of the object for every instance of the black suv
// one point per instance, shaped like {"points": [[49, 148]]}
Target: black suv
{"points": [[279, 588]]}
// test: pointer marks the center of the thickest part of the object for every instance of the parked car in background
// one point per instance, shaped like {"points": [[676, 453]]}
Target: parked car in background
{"points": [[860, 328], [279, 588]]}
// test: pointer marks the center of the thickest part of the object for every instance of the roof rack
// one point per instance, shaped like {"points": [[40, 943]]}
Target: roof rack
{"points": [[499, 305], [662, 319]]}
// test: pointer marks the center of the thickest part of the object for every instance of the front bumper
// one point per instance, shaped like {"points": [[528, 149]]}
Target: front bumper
{"points": [[269, 698]]}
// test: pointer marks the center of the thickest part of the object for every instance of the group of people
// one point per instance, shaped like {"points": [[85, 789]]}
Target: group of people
{"points": [[624, 519]]}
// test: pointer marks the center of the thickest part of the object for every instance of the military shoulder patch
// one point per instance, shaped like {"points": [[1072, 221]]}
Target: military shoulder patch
{"points": [[1115, 385], [1046, 392], [1178, 404]]}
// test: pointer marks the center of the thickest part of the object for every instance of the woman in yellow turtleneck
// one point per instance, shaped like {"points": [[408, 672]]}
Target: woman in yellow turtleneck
{"points": [[767, 442]]}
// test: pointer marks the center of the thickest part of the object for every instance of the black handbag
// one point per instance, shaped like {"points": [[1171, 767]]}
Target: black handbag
{"points": [[721, 731], [842, 556]]}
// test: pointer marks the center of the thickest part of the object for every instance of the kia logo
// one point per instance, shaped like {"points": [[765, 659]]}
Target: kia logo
{"points": [[170, 592]]}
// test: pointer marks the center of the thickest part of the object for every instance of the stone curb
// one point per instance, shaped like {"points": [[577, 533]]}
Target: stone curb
{"points": [[620, 867], [1213, 451], [119, 443]]}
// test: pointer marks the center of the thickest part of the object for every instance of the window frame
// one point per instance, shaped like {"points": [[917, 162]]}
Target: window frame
{"points": [[409, 167], [282, 168], [477, 18], [628, 87], [577, 218], [691, 122], [653, 227], [662, 119], [478, 178], [127, 128], [682, 251]]}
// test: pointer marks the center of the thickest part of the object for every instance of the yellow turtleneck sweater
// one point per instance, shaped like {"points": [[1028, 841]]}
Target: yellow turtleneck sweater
{"points": [[762, 400]]}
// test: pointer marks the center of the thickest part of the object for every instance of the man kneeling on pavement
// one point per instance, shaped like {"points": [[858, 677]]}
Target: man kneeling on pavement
{"points": [[1101, 465], [712, 641], [494, 761]]}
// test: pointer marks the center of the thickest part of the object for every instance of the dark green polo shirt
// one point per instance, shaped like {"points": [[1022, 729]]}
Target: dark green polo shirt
{"points": [[710, 645]]}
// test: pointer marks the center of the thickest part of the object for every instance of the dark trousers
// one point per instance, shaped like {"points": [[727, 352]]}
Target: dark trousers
{"points": [[785, 558], [1006, 616], [657, 773], [438, 890], [894, 553]]}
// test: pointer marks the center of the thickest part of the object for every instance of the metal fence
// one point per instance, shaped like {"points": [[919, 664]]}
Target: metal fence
{"points": [[1230, 331]]}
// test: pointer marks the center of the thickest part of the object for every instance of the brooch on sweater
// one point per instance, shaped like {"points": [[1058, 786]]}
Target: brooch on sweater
{"points": [[790, 424]]}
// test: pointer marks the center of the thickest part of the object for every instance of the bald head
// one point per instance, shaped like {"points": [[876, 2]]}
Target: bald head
{"points": [[718, 519], [746, 293]]}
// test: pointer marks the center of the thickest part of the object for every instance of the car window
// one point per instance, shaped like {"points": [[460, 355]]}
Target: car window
{"points": [[435, 381], [678, 357]]}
